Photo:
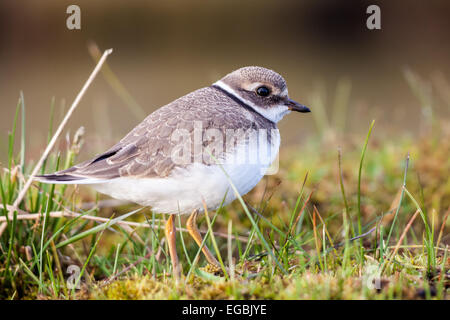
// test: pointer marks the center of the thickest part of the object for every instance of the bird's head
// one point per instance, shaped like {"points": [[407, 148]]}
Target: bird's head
{"points": [[263, 90]]}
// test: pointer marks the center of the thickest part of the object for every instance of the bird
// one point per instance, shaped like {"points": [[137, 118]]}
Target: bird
{"points": [[187, 156]]}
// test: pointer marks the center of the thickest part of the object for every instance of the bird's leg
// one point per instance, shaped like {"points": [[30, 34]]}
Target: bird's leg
{"points": [[171, 241], [191, 225]]}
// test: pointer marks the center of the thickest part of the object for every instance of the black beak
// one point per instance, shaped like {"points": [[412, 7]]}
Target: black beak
{"points": [[295, 106]]}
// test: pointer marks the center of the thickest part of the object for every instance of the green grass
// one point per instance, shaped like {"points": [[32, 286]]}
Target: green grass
{"points": [[297, 235]]}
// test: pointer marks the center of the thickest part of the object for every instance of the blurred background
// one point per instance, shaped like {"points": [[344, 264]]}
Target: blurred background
{"points": [[346, 73]]}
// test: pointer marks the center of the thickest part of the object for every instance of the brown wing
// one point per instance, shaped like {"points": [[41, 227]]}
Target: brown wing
{"points": [[146, 150]]}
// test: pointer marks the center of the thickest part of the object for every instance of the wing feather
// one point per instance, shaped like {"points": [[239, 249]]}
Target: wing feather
{"points": [[147, 149]]}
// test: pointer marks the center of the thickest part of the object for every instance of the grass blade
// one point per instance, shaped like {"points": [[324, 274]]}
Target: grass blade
{"points": [[363, 153], [96, 229]]}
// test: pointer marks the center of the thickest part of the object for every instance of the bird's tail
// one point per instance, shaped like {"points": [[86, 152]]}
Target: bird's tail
{"points": [[65, 178]]}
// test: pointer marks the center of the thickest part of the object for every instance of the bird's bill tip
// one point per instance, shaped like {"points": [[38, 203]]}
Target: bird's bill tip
{"points": [[295, 106]]}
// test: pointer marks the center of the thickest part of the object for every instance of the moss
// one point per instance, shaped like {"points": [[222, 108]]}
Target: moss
{"points": [[133, 289]]}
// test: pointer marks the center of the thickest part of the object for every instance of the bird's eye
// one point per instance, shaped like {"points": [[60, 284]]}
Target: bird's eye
{"points": [[263, 91]]}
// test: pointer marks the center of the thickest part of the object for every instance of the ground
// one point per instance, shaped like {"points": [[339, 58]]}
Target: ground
{"points": [[346, 217]]}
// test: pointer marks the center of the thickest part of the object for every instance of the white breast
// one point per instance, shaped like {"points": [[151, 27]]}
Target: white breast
{"points": [[186, 188]]}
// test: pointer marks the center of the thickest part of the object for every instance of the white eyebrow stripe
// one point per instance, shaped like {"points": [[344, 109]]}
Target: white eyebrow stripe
{"points": [[255, 85]]}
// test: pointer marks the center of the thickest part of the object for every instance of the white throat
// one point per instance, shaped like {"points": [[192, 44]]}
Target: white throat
{"points": [[273, 114]]}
